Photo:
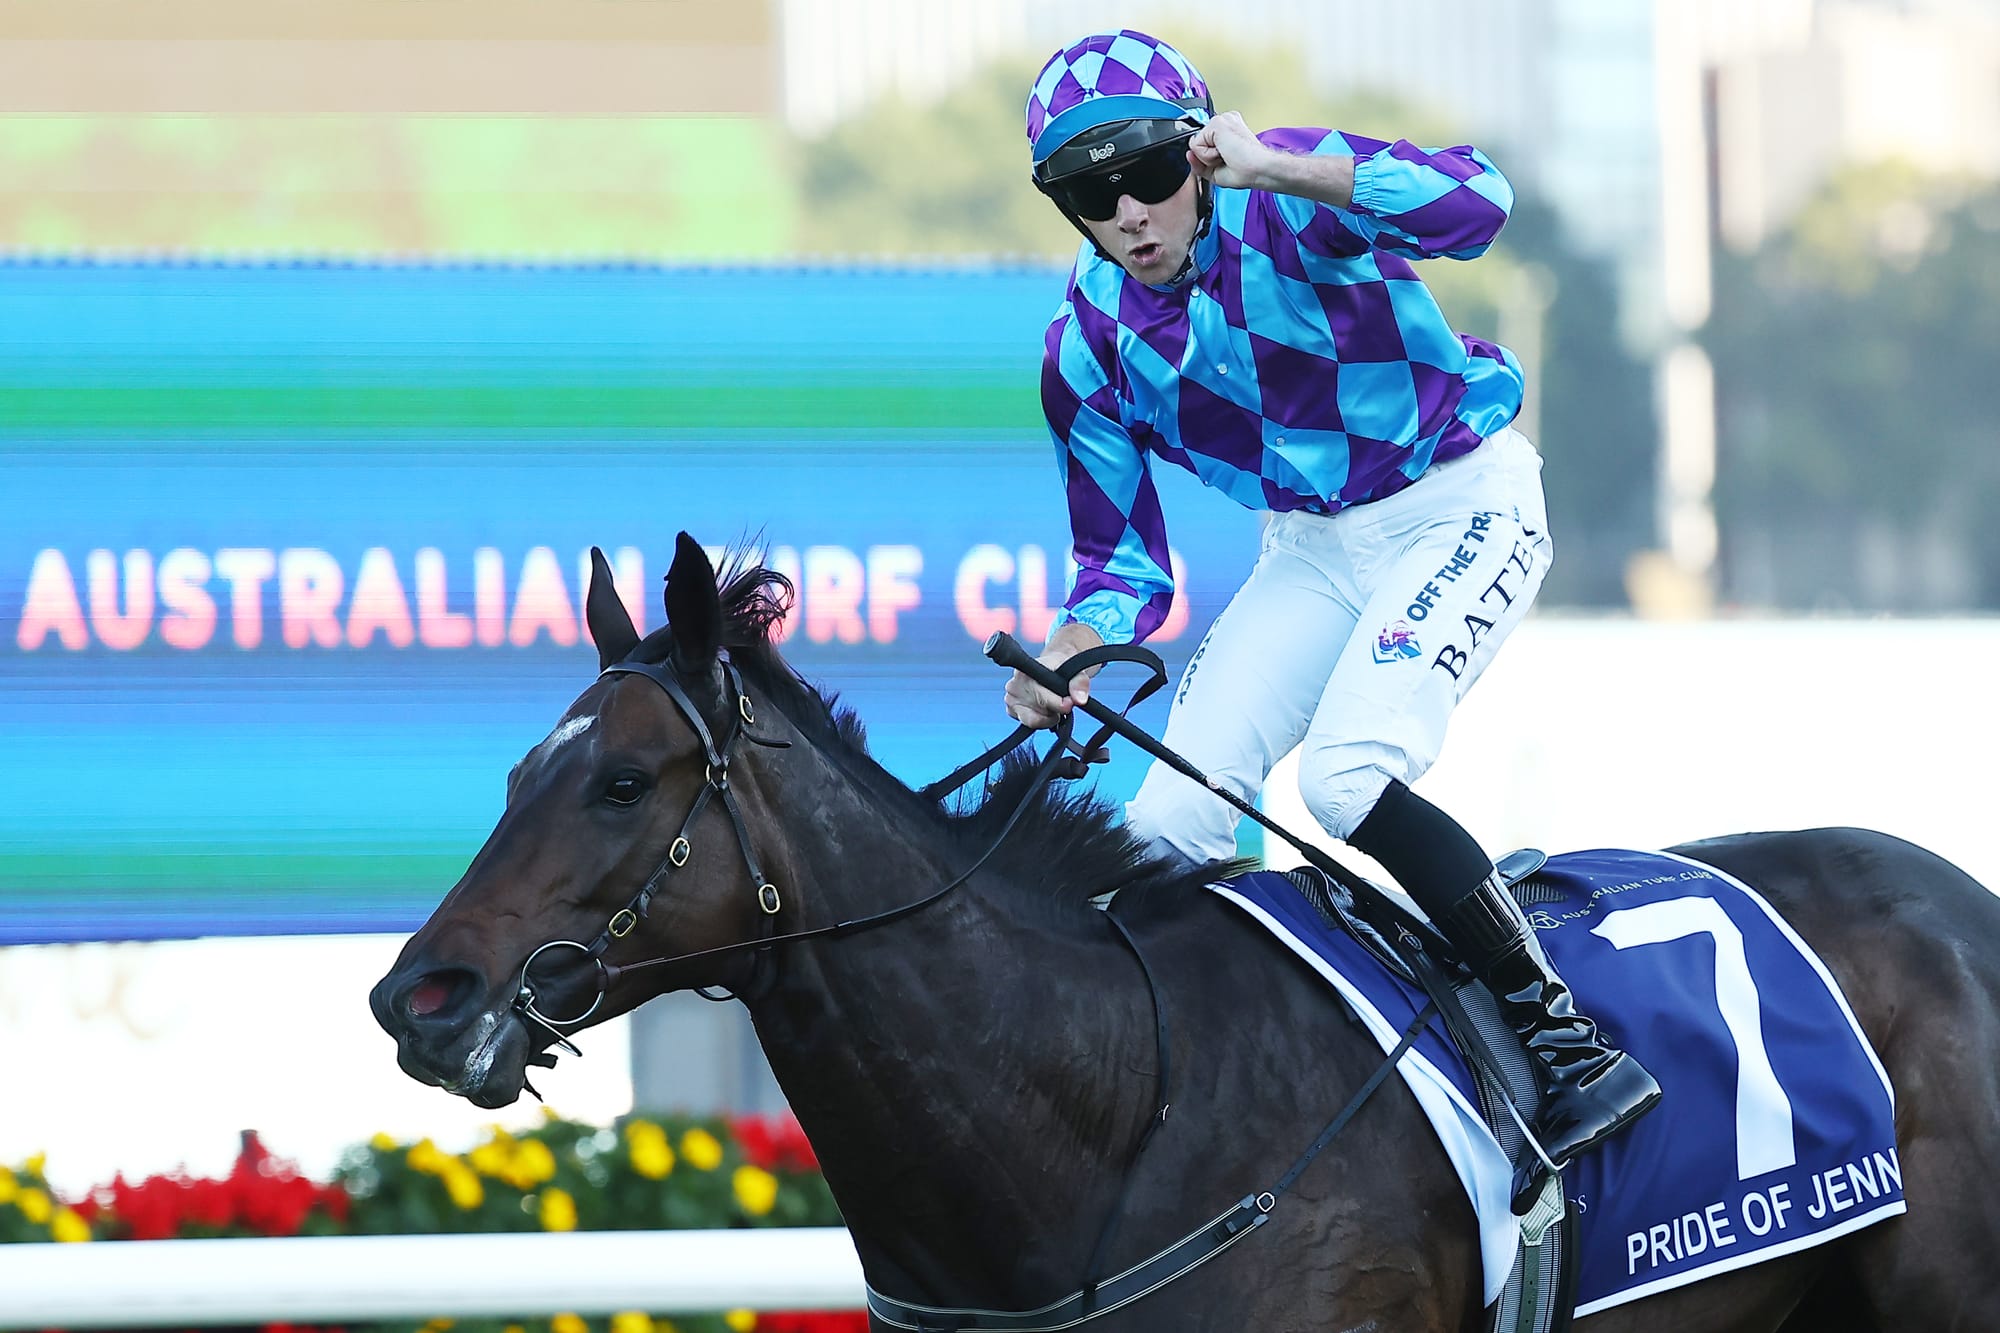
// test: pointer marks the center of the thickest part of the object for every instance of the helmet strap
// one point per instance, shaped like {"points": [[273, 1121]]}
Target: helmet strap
{"points": [[1204, 203], [1204, 214], [1085, 232]]}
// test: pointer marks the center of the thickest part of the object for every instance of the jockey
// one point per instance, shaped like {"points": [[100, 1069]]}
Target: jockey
{"points": [[1244, 306]]}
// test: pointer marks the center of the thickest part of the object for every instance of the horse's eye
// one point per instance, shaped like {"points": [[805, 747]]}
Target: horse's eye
{"points": [[625, 790]]}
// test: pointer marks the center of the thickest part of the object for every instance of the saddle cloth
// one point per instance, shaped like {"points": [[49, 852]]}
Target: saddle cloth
{"points": [[1777, 1130]]}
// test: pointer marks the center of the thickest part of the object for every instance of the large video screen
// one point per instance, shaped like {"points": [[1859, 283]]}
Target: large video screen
{"points": [[291, 556]]}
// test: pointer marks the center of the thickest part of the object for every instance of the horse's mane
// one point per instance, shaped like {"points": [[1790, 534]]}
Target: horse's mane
{"points": [[1068, 845]]}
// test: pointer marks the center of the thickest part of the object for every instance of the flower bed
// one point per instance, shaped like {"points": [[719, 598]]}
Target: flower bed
{"points": [[642, 1173]]}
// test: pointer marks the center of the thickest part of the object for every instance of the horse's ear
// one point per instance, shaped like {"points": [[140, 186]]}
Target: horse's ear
{"points": [[694, 605], [610, 623]]}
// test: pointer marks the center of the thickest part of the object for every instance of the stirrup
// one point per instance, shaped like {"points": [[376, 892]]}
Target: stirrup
{"points": [[1517, 865]]}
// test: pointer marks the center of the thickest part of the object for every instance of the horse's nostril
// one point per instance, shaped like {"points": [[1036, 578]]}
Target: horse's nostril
{"points": [[428, 998], [436, 996]]}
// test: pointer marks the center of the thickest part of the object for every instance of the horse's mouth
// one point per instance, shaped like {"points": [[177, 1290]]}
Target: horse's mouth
{"points": [[492, 1070]]}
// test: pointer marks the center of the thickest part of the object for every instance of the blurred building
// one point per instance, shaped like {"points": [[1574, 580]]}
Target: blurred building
{"points": [[1851, 81], [599, 57], [382, 127]]}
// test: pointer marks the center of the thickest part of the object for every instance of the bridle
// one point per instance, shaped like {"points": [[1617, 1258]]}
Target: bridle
{"points": [[715, 783], [1064, 758]]}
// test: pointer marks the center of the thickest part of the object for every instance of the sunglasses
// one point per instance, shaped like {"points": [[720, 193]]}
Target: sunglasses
{"points": [[1150, 177]]}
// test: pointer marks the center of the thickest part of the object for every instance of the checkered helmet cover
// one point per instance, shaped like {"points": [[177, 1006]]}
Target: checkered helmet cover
{"points": [[1127, 66]]}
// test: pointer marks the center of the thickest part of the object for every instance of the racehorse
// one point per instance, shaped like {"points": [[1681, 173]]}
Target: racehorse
{"points": [[976, 1075]]}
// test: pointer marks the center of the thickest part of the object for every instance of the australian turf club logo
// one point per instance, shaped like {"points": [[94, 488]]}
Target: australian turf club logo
{"points": [[1396, 643]]}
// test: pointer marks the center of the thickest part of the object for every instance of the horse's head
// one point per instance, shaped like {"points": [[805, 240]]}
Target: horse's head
{"points": [[635, 828]]}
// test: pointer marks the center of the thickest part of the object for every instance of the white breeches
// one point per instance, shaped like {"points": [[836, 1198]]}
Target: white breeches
{"points": [[1354, 637]]}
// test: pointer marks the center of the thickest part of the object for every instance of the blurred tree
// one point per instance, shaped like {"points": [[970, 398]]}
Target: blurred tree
{"points": [[951, 178], [1597, 431], [1856, 429], [490, 186]]}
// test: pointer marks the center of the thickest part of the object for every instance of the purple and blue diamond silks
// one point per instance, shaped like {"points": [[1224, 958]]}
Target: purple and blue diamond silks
{"points": [[1302, 365]]}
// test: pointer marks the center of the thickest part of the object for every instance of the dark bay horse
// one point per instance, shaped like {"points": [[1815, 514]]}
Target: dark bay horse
{"points": [[974, 1076]]}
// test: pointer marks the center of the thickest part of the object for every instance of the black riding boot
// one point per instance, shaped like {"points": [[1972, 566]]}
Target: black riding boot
{"points": [[1590, 1089]]}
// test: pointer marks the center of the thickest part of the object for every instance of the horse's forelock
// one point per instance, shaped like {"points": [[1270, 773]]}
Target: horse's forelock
{"points": [[754, 600]]}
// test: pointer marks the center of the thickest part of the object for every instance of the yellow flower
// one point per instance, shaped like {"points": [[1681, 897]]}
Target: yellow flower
{"points": [[558, 1210], [462, 1185], [425, 1157], [568, 1323], [533, 1164], [756, 1190], [438, 1325], [491, 1158], [740, 1321], [701, 1149], [9, 1187], [33, 1166], [381, 1142], [68, 1227], [35, 1205], [651, 1156], [631, 1321], [514, 1328]]}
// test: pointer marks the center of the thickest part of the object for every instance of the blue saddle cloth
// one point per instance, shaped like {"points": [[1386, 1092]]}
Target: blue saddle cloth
{"points": [[1777, 1131]]}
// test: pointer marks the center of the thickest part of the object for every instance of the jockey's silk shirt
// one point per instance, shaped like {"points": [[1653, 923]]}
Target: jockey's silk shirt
{"points": [[1302, 366]]}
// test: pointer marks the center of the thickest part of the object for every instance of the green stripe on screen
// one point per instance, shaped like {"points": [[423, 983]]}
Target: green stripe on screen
{"points": [[152, 878], [937, 403]]}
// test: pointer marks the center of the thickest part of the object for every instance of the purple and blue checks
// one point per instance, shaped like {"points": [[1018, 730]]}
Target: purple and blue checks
{"points": [[1303, 365], [1124, 64]]}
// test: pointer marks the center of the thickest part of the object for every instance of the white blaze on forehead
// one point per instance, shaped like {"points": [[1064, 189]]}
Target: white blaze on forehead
{"points": [[563, 734]]}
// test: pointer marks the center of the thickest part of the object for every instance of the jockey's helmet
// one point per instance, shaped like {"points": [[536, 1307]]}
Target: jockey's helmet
{"points": [[1098, 110]]}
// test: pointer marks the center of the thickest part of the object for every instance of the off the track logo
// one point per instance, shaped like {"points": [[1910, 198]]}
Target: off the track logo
{"points": [[1397, 643]]}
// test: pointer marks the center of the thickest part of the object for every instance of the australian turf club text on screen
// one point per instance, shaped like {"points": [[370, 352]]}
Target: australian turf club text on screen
{"points": [[302, 598]]}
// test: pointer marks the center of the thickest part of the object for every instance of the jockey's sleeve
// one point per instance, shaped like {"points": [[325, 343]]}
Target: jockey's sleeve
{"points": [[1415, 202], [1123, 584]]}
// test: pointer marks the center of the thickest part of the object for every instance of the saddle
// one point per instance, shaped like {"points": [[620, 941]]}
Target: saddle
{"points": [[1540, 1291], [1335, 901]]}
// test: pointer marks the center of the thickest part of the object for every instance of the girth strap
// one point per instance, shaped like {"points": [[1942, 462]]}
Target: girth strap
{"points": [[1177, 1260], [1149, 1275]]}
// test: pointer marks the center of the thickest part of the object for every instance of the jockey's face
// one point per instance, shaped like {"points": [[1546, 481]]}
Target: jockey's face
{"points": [[1150, 240]]}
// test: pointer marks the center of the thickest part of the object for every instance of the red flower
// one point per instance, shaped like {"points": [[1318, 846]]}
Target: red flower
{"points": [[262, 1195], [149, 1210], [774, 1142], [843, 1321]]}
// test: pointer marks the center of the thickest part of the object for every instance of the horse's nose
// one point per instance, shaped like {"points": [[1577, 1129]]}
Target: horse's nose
{"points": [[415, 999]]}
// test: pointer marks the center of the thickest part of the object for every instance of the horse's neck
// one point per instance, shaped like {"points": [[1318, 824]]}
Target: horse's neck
{"points": [[965, 1074]]}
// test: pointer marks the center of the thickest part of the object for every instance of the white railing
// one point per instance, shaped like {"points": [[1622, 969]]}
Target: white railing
{"points": [[183, 1283]]}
